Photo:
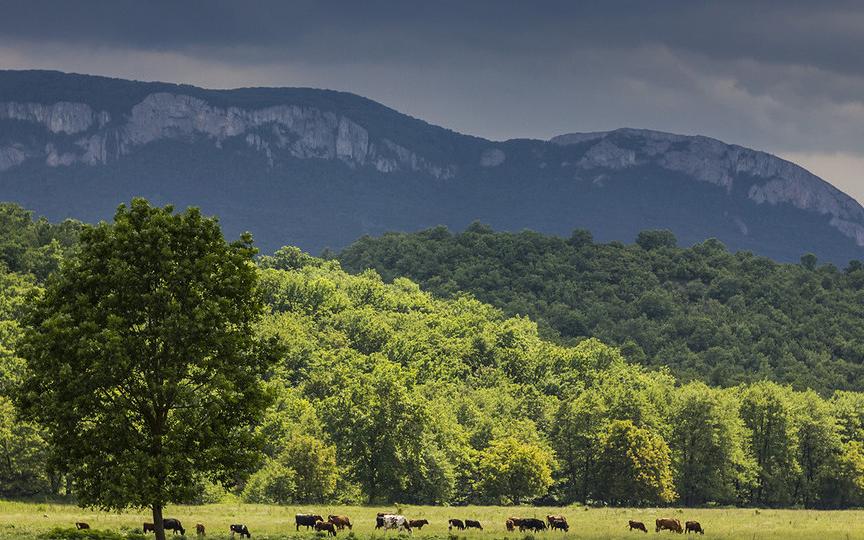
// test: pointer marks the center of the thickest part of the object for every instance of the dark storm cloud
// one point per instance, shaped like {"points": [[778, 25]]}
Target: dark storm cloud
{"points": [[784, 76], [826, 34]]}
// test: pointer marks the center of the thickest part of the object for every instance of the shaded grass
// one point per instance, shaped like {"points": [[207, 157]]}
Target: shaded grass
{"points": [[25, 521]]}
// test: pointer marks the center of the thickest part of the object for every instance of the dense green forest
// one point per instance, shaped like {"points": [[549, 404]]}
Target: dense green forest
{"points": [[708, 314], [385, 392]]}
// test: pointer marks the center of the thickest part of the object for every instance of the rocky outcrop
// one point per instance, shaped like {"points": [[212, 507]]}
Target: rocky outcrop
{"points": [[10, 156], [709, 160], [292, 130], [492, 157], [62, 117]]}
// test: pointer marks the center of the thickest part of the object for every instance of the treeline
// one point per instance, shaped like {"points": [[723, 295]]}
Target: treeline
{"points": [[387, 393], [724, 318], [30, 250]]}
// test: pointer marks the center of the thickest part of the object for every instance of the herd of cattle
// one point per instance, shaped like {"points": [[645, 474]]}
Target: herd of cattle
{"points": [[399, 522]]}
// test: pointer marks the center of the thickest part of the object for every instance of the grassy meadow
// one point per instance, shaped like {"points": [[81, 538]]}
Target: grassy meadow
{"points": [[22, 521]]}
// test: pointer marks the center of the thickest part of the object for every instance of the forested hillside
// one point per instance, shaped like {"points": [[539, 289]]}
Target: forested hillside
{"points": [[386, 393], [708, 314]]}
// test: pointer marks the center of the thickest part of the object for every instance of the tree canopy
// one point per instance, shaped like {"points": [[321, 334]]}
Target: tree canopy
{"points": [[724, 318], [142, 361]]}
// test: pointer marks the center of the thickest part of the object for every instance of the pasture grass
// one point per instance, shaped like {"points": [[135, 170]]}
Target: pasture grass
{"points": [[33, 521]]}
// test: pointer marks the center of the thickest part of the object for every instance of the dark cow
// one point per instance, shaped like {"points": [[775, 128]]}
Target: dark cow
{"points": [[551, 519], [532, 524], [472, 524], [340, 521], [149, 527], [418, 523], [80, 525], [307, 520], [240, 529], [172, 524], [325, 526], [693, 526], [457, 523], [199, 529], [668, 524], [560, 525], [638, 525]]}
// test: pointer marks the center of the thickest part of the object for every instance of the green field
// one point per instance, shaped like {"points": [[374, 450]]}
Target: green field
{"points": [[29, 520]]}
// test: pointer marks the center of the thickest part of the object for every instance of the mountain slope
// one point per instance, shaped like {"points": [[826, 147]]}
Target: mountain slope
{"points": [[318, 168]]}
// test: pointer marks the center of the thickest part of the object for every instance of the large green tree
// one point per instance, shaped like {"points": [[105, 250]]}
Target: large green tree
{"points": [[634, 466], [142, 360], [511, 470], [767, 411], [709, 446]]}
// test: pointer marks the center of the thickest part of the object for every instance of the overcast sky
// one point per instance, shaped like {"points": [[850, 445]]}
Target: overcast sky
{"points": [[782, 76]]}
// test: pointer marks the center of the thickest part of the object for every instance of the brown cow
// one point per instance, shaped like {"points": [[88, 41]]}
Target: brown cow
{"points": [[473, 524], [668, 524], [340, 521], [199, 529], [637, 525], [80, 525], [513, 522], [418, 523], [458, 523], [693, 526], [325, 526], [149, 527]]}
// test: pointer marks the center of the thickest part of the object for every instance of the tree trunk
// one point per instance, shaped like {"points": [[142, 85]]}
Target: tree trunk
{"points": [[157, 522]]}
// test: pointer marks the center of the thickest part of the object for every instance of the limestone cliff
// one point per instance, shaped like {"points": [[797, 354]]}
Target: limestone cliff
{"points": [[301, 132]]}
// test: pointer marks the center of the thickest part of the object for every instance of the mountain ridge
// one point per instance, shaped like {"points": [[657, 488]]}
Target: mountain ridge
{"points": [[319, 168]]}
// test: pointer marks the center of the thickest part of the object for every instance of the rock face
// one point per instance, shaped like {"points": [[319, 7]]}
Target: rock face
{"points": [[302, 132], [712, 161], [317, 168]]}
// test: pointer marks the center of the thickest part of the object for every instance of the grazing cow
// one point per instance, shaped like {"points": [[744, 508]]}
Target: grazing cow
{"points": [[240, 529], [418, 523], [395, 521], [472, 524], [149, 527], [172, 524], [458, 523], [668, 524], [532, 524], [340, 521], [551, 519], [637, 525], [80, 525], [307, 520], [199, 529], [325, 526], [693, 526], [559, 524]]}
